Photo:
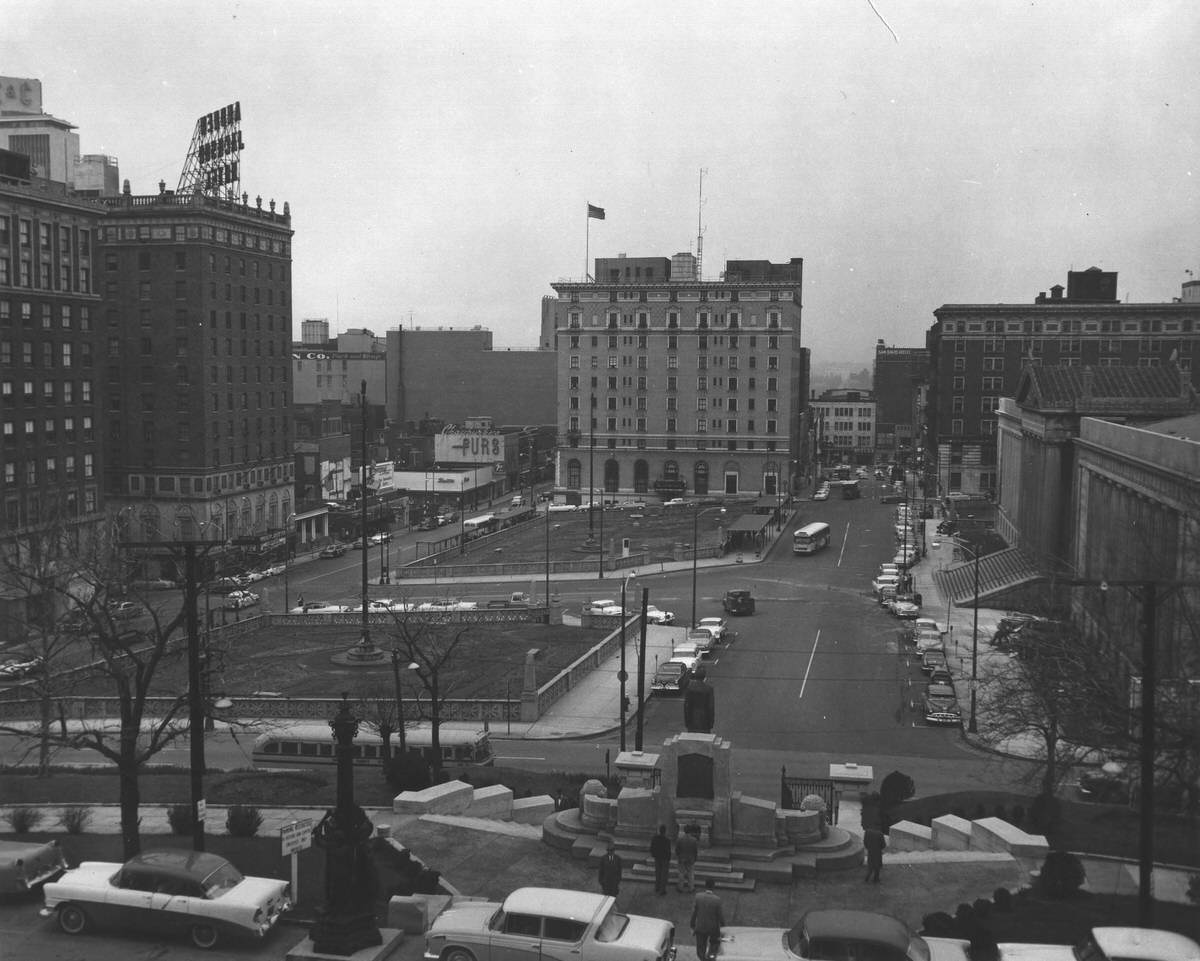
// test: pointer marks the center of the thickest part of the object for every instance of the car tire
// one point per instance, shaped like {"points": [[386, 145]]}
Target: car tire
{"points": [[204, 936], [72, 919], [457, 954]]}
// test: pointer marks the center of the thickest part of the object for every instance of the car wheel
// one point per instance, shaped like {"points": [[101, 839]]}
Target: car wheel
{"points": [[72, 919], [203, 935], [458, 954]]}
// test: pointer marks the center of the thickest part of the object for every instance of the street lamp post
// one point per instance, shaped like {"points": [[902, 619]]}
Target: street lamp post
{"points": [[623, 674], [412, 666], [287, 560], [695, 533], [972, 726]]}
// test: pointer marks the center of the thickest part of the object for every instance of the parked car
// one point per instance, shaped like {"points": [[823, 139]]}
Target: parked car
{"points": [[928, 641], [738, 602], [837, 933], [885, 580], [170, 890], [428, 524], [934, 661], [14, 668], [330, 551], [904, 607], [703, 638], [1110, 944], [927, 624], [675, 502], [655, 616], [940, 676], [240, 600], [319, 607], [556, 923], [941, 703], [716, 625], [822, 494], [671, 677], [377, 539], [891, 498], [605, 605], [124, 610], [273, 570], [26, 864]]}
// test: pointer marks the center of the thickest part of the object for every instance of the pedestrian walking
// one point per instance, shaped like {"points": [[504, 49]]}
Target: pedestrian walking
{"points": [[300, 601], [610, 871], [686, 850], [660, 850], [707, 920], [874, 842]]}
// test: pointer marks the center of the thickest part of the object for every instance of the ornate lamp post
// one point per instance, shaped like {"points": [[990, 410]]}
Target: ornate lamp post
{"points": [[346, 923]]}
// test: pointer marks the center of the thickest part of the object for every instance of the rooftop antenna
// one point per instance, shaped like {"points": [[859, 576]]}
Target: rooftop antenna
{"points": [[700, 228]]}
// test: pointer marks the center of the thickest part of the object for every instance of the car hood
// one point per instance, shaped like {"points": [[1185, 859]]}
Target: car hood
{"points": [[466, 916], [756, 943]]}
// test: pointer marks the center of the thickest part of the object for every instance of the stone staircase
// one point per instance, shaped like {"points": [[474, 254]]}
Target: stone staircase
{"points": [[734, 867]]}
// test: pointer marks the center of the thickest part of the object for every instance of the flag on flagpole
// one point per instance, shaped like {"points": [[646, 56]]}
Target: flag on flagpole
{"points": [[595, 213]]}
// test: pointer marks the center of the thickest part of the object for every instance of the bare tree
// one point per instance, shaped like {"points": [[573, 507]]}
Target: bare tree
{"points": [[434, 643], [377, 708], [73, 577]]}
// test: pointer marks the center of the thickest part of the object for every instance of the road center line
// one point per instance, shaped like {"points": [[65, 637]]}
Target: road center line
{"points": [[808, 668], [845, 541]]}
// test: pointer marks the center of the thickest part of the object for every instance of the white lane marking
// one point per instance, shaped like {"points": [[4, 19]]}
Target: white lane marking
{"points": [[515, 757], [845, 541], [808, 668]]}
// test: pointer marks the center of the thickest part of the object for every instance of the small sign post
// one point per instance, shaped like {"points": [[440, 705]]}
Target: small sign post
{"points": [[294, 837]]}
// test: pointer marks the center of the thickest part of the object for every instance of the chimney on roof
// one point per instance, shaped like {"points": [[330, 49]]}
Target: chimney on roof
{"points": [[1056, 292]]}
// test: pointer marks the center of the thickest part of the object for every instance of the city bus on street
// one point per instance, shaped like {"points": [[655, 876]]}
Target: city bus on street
{"points": [[310, 744], [810, 538], [850, 490]]}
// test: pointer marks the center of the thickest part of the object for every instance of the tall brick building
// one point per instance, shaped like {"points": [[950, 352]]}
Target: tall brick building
{"points": [[196, 328], [679, 385], [977, 352]]}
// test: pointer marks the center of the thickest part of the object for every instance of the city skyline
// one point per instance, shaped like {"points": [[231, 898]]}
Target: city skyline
{"points": [[438, 161]]}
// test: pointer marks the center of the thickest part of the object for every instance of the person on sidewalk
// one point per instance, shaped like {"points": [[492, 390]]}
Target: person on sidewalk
{"points": [[874, 842], [707, 920], [610, 871], [687, 848], [660, 850]]}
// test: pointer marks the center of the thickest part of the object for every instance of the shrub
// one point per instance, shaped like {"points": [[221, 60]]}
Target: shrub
{"points": [[179, 816], [938, 925], [983, 908], [1045, 813], [1061, 876], [243, 820], [1002, 899], [75, 819], [408, 772], [24, 819], [896, 787]]}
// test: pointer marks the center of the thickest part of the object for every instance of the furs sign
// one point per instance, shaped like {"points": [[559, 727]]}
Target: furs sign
{"points": [[469, 447]]}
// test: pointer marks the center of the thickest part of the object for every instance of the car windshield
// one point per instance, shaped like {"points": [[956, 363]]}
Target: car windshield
{"points": [[612, 927], [221, 880]]}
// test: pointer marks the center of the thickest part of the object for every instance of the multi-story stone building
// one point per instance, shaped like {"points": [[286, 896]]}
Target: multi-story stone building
{"points": [[898, 384], [846, 427], [196, 363], [679, 385], [50, 342], [977, 352]]}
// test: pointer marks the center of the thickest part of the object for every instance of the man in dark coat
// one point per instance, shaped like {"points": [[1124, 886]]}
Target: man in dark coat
{"points": [[699, 704], [707, 921], [660, 850], [874, 842], [687, 849], [610, 871]]}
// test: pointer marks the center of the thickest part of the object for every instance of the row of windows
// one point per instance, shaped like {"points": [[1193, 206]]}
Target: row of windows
{"points": [[1075, 345], [702, 363], [703, 320], [26, 275], [145, 261], [45, 230], [180, 233], [67, 394], [702, 403], [47, 471], [27, 509], [730, 426], [48, 356], [1149, 325], [703, 342], [682, 443], [716, 382], [70, 316], [52, 430]]}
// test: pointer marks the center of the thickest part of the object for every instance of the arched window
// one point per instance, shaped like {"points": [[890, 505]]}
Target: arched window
{"points": [[574, 470], [641, 477], [671, 470], [612, 476], [700, 477]]}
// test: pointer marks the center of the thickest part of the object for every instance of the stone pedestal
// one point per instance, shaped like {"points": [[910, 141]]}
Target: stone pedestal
{"points": [[696, 784]]}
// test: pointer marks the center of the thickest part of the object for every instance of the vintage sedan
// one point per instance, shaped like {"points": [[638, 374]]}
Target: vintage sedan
{"points": [[655, 616], [26, 864], [716, 625], [15, 668], [239, 600], [172, 890], [671, 677], [1110, 944], [550, 923], [835, 933], [941, 703]]}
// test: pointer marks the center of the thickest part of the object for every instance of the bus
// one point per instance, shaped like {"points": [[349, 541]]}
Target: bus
{"points": [[302, 745], [810, 539], [850, 490], [478, 526]]}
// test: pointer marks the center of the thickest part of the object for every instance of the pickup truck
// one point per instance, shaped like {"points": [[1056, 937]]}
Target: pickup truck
{"points": [[515, 599]]}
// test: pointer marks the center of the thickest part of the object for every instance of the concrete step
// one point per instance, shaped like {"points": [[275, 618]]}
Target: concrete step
{"points": [[719, 880], [647, 871], [775, 872]]}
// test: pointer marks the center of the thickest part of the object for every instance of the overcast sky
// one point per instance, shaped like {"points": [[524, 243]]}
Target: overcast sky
{"points": [[438, 157]]}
